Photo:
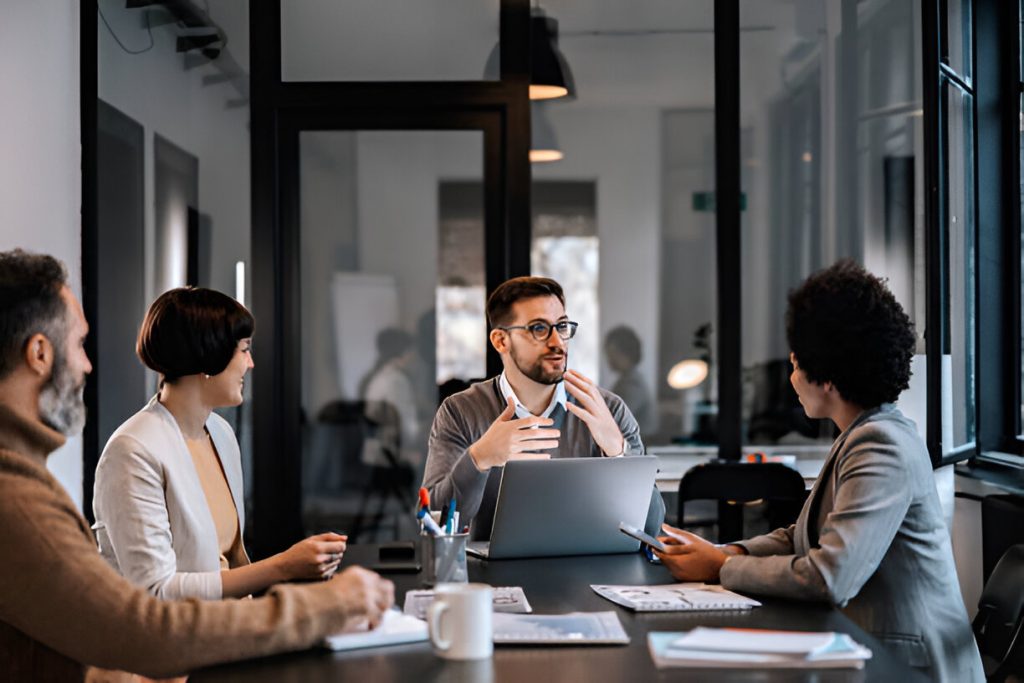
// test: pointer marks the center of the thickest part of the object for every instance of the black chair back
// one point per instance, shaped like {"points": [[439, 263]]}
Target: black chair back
{"points": [[1000, 618], [732, 482]]}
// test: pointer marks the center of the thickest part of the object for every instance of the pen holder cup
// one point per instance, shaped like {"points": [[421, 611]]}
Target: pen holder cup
{"points": [[444, 559]]}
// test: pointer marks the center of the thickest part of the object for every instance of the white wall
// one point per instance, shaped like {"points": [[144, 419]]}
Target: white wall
{"points": [[40, 167]]}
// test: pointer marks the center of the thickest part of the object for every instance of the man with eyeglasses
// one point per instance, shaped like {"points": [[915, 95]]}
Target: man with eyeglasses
{"points": [[535, 409]]}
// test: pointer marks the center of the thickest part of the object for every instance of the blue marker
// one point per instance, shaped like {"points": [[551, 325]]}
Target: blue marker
{"points": [[428, 522], [449, 527]]}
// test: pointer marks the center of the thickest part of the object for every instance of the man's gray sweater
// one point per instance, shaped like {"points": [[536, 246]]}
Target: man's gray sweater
{"points": [[464, 417]]}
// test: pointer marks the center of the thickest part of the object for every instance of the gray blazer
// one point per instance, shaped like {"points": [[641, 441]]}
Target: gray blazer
{"points": [[871, 540], [153, 523]]}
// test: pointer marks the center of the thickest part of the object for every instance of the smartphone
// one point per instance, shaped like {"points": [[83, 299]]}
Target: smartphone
{"points": [[639, 535]]}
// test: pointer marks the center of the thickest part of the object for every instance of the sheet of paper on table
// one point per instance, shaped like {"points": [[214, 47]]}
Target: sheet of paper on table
{"points": [[574, 628], [506, 599], [676, 597]]}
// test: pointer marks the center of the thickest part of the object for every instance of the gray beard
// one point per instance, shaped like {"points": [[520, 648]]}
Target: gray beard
{"points": [[61, 403]]}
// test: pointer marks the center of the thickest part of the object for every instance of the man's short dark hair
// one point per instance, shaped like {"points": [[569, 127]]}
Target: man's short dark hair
{"points": [[845, 327], [192, 330], [30, 303], [626, 341], [499, 304]]}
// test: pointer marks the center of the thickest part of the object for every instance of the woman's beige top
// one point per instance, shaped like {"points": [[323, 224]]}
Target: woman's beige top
{"points": [[222, 505]]}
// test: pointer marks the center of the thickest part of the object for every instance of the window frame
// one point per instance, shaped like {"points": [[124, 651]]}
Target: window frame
{"points": [[998, 77]]}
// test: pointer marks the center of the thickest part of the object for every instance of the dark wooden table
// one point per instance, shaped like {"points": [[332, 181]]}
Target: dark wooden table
{"points": [[563, 585]]}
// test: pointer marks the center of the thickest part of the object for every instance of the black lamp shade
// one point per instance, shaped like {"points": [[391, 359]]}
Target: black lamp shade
{"points": [[550, 76]]}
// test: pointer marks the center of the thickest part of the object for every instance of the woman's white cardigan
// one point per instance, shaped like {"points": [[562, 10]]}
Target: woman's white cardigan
{"points": [[153, 523]]}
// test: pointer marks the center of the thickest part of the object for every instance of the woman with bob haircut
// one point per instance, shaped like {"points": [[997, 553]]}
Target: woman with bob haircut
{"points": [[871, 538], [168, 497]]}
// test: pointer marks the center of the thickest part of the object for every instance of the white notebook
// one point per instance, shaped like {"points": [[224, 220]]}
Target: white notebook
{"points": [[394, 629], [676, 597], [574, 628]]}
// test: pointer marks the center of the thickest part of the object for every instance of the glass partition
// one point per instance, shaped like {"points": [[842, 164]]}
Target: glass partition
{"points": [[390, 40], [393, 297], [832, 154], [173, 200], [623, 209]]}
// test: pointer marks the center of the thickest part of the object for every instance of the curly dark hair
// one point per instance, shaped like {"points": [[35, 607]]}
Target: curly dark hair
{"points": [[845, 327], [30, 303]]}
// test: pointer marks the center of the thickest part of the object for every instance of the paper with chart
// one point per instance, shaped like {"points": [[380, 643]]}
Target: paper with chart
{"points": [[574, 628], [676, 597], [506, 599]]}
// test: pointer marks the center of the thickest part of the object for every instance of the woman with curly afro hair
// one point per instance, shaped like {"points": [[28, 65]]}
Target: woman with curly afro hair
{"points": [[871, 538]]}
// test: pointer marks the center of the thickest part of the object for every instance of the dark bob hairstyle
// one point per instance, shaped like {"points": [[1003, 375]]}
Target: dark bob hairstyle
{"points": [[499, 304], [192, 330], [845, 327]]}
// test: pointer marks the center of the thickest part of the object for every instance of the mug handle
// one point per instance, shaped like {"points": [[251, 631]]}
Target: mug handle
{"points": [[434, 613]]}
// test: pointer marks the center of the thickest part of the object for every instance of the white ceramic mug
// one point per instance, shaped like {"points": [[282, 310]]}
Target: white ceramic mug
{"points": [[460, 620]]}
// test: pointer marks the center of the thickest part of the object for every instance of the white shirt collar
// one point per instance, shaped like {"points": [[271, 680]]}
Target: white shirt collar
{"points": [[521, 411]]}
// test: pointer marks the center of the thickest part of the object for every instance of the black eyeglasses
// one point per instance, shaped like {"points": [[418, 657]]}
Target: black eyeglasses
{"points": [[541, 330]]}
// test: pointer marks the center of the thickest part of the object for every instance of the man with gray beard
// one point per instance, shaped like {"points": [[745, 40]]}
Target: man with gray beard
{"points": [[536, 408], [63, 610]]}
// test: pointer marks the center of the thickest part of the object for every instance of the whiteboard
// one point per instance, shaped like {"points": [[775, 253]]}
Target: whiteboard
{"points": [[363, 304]]}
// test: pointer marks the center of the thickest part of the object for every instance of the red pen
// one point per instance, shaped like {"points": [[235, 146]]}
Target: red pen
{"points": [[424, 499]]}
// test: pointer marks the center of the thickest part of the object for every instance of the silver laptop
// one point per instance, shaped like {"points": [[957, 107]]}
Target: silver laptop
{"points": [[569, 506]]}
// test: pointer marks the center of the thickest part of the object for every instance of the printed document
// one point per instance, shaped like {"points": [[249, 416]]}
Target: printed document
{"points": [[676, 597]]}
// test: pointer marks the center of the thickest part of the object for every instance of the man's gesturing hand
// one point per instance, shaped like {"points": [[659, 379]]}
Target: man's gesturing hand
{"points": [[591, 408], [509, 438]]}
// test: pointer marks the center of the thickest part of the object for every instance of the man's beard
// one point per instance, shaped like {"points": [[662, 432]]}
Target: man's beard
{"points": [[536, 371], [61, 401]]}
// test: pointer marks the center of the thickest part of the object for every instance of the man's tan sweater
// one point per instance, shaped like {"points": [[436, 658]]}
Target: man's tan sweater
{"points": [[62, 608]]}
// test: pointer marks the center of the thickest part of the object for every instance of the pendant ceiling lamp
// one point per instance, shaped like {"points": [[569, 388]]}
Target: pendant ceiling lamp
{"points": [[550, 76], [543, 145]]}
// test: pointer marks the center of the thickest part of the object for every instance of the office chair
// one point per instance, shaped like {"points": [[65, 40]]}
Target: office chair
{"points": [[999, 623], [731, 483]]}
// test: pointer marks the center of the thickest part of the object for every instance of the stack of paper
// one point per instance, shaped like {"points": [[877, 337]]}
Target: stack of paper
{"points": [[677, 597], [756, 648], [506, 599]]}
